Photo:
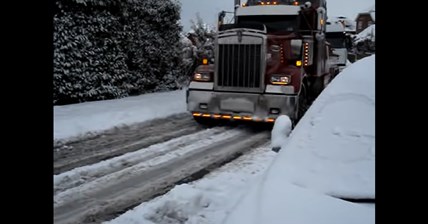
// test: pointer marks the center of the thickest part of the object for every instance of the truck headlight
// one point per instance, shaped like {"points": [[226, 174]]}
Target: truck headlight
{"points": [[202, 77], [280, 79]]}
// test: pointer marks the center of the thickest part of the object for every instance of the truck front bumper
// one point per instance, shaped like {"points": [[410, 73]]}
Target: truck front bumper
{"points": [[245, 106]]}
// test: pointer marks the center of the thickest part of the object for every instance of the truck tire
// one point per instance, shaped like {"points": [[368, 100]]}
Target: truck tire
{"points": [[302, 105], [316, 87]]}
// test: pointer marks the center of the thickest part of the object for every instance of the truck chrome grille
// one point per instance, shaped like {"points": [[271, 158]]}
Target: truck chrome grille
{"points": [[239, 65]]}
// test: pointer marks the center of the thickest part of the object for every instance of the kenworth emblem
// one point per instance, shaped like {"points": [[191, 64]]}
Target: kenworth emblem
{"points": [[239, 32]]}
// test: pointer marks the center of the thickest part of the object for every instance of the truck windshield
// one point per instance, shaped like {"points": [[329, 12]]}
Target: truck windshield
{"points": [[273, 23], [337, 40]]}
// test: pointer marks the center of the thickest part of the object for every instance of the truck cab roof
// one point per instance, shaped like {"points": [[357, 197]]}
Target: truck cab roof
{"points": [[335, 26]]}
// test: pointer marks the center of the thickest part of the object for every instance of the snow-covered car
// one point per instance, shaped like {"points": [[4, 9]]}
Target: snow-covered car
{"points": [[326, 168]]}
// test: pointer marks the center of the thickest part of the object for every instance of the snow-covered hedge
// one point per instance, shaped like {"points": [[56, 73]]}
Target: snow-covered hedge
{"points": [[105, 49]]}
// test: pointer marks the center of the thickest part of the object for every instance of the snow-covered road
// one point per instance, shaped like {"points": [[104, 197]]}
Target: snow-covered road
{"points": [[100, 191], [119, 140], [205, 201]]}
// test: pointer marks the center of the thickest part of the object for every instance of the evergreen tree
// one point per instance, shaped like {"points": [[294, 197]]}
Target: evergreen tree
{"points": [[105, 49]]}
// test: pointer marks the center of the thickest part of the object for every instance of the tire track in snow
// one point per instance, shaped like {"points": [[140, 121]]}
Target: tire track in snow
{"points": [[104, 198], [204, 200], [157, 152], [121, 140]]}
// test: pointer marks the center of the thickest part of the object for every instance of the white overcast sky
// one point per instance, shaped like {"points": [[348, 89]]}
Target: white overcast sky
{"points": [[208, 9]]}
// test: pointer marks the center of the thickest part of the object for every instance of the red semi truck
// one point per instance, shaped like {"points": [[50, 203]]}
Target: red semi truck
{"points": [[272, 60]]}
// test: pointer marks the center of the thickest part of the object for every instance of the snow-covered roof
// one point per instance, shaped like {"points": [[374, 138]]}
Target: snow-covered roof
{"points": [[335, 27], [367, 34], [373, 15], [350, 25]]}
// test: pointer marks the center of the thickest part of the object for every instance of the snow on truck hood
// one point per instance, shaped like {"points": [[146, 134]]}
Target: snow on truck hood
{"points": [[331, 152]]}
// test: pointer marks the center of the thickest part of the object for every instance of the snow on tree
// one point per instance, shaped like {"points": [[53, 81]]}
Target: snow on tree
{"points": [[105, 49], [197, 43], [202, 36], [188, 55]]}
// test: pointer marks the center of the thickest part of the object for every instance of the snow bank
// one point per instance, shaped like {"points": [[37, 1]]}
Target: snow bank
{"points": [[78, 119], [282, 202], [331, 152], [280, 131], [332, 148]]}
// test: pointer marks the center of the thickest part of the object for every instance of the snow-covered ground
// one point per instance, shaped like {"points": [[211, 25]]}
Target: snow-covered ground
{"points": [[139, 160], [78, 119], [206, 201]]}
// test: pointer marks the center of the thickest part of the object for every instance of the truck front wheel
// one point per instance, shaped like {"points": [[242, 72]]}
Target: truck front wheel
{"points": [[316, 87], [302, 105]]}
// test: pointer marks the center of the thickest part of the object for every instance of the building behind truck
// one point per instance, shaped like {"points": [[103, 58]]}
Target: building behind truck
{"points": [[272, 60]]}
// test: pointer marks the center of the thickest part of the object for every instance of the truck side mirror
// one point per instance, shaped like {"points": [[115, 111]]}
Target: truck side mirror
{"points": [[221, 16]]}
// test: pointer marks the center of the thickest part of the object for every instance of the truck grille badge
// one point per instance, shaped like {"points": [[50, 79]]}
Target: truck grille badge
{"points": [[239, 33]]}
